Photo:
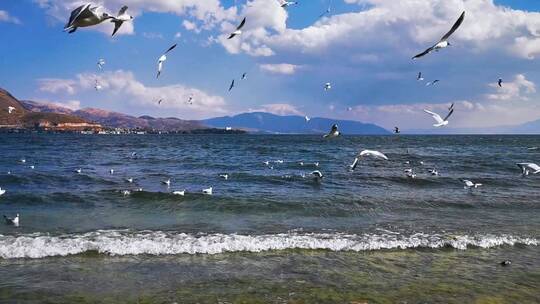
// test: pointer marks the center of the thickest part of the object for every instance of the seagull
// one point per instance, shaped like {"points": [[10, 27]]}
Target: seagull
{"points": [[433, 172], [316, 164], [238, 30], [111, 171], [2, 191], [207, 191], [432, 82], [167, 182], [120, 19], [334, 132], [506, 263], [285, 4], [279, 161], [244, 76], [162, 59], [190, 99], [317, 175], [528, 168], [84, 16], [419, 77], [410, 173], [231, 86], [180, 193], [470, 185], [97, 86], [12, 221], [160, 101], [101, 63], [444, 40], [327, 11], [440, 122], [79, 171], [307, 118], [366, 153], [396, 130], [224, 176], [500, 82], [126, 192], [327, 86], [10, 109], [451, 107], [133, 154], [32, 167], [23, 161], [129, 180], [266, 163]]}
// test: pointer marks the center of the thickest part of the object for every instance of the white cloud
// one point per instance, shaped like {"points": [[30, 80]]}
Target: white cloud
{"points": [[515, 90], [280, 68], [6, 17], [151, 35], [278, 109], [122, 87]]}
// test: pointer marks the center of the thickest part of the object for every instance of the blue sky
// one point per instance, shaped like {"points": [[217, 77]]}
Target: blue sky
{"points": [[364, 48]]}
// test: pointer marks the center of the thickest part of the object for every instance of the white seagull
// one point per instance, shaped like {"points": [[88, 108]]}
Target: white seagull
{"points": [[79, 171], [307, 118], [162, 59], [207, 191], [126, 192], [334, 132], [23, 161], [327, 86], [224, 176], [238, 30], [244, 76], [440, 122], [2, 191], [410, 173], [101, 63], [167, 182], [129, 180], [317, 175], [470, 185], [84, 16], [367, 153], [444, 40], [528, 168], [97, 86], [10, 109], [120, 19], [286, 4], [12, 221], [419, 77], [180, 193], [111, 171]]}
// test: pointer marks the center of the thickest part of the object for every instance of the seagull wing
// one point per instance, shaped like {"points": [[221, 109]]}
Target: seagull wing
{"points": [[468, 183], [334, 128], [241, 24], [535, 167], [419, 76], [375, 154], [424, 53], [435, 116], [117, 25], [231, 86], [454, 27], [122, 10], [78, 12], [449, 114], [231, 36], [170, 49]]}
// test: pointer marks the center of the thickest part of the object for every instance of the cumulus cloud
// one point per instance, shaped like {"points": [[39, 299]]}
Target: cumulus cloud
{"points": [[278, 109], [280, 68], [6, 17], [122, 86], [518, 89]]}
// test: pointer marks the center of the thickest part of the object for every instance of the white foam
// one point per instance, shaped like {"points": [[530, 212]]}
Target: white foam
{"points": [[124, 242]]}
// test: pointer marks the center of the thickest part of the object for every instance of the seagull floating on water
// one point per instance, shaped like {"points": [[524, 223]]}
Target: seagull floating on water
{"points": [[78, 171], [334, 132], [440, 122], [224, 176], [410, 173], [23, 161], [208, 191], [129, 180], [126, 192], [433, 172], [238, 30], [470, 185], [111, 171], [120, 19], [180, 193], [163, 58], [443, 43], [32, 167], [528, 168], [12, 221], [367, 153]]}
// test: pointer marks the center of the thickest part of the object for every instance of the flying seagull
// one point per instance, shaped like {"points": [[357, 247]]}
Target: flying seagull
{"points": [[470, 185], [440, 122], [327, 11], [238, 30], [12, 221], [10, 109], [528, 168], [367, 153], [419, 77], [160, 101], [97, 86], [162, 59], [327, 86], [286, 4], [334, 132], [231, 86], [190, 99], [500, 82], [120, 19], [396, 130], [101, 63], [167, 182], [444, 40], [432, 82], [244, 76], [2, 191], [84, 16]]}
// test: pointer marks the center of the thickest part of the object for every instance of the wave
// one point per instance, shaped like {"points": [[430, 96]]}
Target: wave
{"points": [[126, 242]]}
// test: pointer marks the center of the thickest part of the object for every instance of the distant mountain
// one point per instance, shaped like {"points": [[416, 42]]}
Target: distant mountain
{"points": [[21, 117], [270, 123], [119, 120]]}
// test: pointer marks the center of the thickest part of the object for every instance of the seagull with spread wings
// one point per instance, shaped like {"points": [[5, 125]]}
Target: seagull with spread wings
{"points": [[443, 43], [440, 122], [162, 59], [238, 30]]}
